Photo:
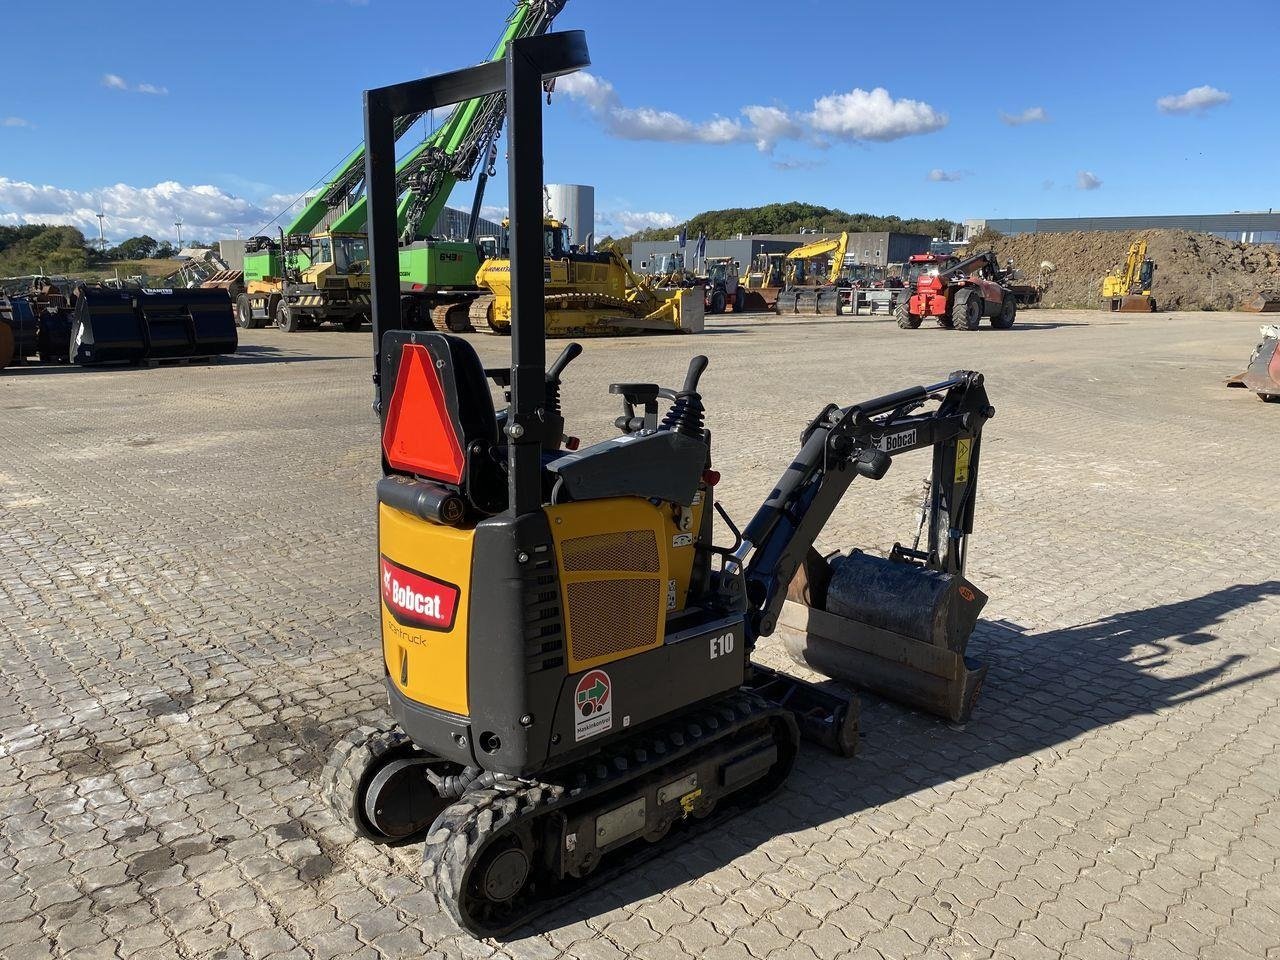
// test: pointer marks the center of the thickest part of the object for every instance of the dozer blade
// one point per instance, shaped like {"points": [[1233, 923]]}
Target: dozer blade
{"points": [[891, 628], [134, 325], [1262, 376]]}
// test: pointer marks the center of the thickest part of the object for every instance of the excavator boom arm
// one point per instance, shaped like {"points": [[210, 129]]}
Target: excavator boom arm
{"points": [[428, 173], [844, 443]]}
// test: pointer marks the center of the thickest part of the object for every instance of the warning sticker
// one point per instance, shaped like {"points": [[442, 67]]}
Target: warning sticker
{"points": [[593, 705], [964, 448]]}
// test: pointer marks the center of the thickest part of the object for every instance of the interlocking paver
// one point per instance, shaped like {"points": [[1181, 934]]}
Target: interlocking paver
{"points": [[187, 623]]}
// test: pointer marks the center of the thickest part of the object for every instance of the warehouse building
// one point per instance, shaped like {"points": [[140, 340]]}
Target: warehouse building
{"points": [[865, 249], [655, 256], [1242, 227]]}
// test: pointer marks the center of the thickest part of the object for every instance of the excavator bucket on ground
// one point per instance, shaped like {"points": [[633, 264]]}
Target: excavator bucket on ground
{"points": [[1262, 376], [819, 301], [134, 325], [761, 299], [894, 629], [36, 327], [1265, 301], [1133, 303]]}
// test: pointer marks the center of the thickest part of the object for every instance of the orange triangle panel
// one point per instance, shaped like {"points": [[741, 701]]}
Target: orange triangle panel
{"points": [[419, 436]]}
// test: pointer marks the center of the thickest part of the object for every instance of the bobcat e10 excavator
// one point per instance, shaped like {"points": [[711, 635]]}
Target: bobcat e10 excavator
{"points": [[566, 640]]}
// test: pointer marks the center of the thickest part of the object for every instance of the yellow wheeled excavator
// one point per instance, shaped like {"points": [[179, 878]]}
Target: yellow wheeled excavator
{"points": [[565, 636], [588, 294]]}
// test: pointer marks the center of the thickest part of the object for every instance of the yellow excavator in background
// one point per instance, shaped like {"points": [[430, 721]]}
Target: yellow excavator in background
{"points": [[587, 294], [1130, 291], [808, 288], [801, 271]]}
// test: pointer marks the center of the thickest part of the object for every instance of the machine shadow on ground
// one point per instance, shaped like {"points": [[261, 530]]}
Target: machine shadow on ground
{"points": [[1043, 689], [260, 353]]}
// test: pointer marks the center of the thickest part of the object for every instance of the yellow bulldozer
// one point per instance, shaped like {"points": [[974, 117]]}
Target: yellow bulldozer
{"points": [[1129, 291], [587, 294]]}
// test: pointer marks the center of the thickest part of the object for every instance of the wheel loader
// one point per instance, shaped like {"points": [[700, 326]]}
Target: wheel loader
{"points": [[566, 636]]}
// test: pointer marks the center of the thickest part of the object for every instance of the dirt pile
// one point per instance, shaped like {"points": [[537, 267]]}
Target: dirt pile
{"points": [[1194, 271]]}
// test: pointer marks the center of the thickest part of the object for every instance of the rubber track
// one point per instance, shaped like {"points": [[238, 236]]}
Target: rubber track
{"points": [[350, 758], [464, 829]]}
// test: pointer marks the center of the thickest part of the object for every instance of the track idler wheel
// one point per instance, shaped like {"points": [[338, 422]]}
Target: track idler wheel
{"points": [[376, 781]]}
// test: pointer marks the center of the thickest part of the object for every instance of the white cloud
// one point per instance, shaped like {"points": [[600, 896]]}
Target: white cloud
{"points": [[1085, 180], [857, 115], [1195, 100], [646, 123], [771, 124], [114, 81], [873, 115], [493, 212], [596, 93], [14, 122], [621, 223], [938, 175], [1029, 115], [207, 212]]}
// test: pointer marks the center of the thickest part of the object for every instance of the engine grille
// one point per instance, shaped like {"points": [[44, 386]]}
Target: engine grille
{"points": [[609, 617], [629, 551], [614, 592]]}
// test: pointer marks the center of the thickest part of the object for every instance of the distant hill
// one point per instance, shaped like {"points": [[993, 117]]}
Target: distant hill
{"points": [[787, 218]]}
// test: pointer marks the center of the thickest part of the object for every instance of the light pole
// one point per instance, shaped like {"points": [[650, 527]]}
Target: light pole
{"points": [[178, 223]]}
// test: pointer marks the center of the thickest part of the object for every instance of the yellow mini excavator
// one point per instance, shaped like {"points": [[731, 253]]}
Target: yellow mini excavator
{"points": [[566, 638], [1130, 291]]}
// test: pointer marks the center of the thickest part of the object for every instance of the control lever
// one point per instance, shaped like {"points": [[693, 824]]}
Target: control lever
{"points": [[687, 415], [696, 366], [555, 418], [567, 356], [633, 395]]}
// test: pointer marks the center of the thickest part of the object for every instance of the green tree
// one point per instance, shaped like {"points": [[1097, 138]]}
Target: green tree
{"points": [[135, 248]]}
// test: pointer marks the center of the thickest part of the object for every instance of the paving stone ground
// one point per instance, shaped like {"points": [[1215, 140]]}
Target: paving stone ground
{"points": [[187, 622]]}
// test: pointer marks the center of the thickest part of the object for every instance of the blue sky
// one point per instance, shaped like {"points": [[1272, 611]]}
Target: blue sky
{"points": [[164, 110]]}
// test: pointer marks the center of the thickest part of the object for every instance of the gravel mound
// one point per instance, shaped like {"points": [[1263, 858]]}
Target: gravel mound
{"points": [[1194, 271]]}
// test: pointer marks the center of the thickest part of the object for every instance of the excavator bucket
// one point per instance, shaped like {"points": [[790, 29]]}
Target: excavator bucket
{"points": [[229, 280], [761, 299], [134, 325], [810, 301], [1265, 301], [1262, 376], [1133, 303], [892, 628]]}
